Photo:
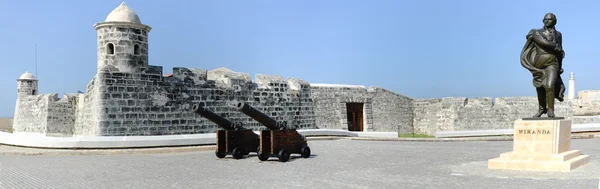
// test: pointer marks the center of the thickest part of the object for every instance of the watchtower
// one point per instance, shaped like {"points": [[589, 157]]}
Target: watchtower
{"points": [[27, 84], [123, 40]]}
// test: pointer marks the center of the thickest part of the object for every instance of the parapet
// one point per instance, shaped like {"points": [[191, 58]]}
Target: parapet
{"points": [[297, 84], [195, 75], [228, 78], [516, 101], [480, 101], [337, 86], [270, 82], [373, 89]]}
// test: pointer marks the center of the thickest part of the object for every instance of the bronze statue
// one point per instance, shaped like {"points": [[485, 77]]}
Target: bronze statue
{"points": [[542, 55]]}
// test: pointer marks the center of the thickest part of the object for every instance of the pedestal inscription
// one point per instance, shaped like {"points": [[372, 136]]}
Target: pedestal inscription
{"points": [[541, 145]]}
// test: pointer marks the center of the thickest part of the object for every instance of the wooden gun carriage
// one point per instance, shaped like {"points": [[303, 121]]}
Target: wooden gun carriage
{"points": [[278, 141], [234, 139]]}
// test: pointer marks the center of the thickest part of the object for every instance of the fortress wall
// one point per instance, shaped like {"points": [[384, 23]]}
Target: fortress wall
{"points": [[391, 111], [88, 108], [425, 115], [586, 107], [45, 114], [149, 104], [330, 104], [289, 100], [31, 113], [61, 115], [431, 115], [456, 114]]}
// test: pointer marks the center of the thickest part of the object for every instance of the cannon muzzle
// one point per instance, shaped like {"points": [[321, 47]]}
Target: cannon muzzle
{"points": [[260, 117], [220, 121]]}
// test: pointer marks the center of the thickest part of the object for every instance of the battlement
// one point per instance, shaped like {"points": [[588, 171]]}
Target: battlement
{"points": [[228, 79], [193, 75], [338, 86], [374, 89], [296, 84]]}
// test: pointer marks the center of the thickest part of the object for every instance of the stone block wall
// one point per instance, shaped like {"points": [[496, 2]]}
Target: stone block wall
{"points": [[457, 114], [31, 113], [383, 110], [129, 47], [391, 111], [45, 114], [61, 115], [330, 105], [88, 108], [147, 103], [120, 103]]}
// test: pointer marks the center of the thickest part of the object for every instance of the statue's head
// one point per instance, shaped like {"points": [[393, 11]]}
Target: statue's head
{"points": [[549, 20]]}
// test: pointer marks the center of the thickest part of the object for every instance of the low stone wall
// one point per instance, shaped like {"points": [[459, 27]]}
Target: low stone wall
{"points": [[391, 111], [460, 114]]}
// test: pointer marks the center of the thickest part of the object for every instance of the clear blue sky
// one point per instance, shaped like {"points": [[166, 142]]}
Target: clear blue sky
{"points": [[419, 48]]}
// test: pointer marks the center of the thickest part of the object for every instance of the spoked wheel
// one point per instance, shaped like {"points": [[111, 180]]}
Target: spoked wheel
{"points": [[305, 152], [238, 153], [283, 155], [220, 154]]}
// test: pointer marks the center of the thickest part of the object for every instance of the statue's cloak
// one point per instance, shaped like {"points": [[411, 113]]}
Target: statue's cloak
{"points": [[528, 58]]}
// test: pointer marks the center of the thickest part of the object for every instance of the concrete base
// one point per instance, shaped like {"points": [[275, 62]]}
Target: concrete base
{"points": [[541, 145], [563, 162]]}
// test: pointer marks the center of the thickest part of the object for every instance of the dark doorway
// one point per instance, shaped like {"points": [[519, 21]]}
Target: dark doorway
{"points": [[354, 112]]}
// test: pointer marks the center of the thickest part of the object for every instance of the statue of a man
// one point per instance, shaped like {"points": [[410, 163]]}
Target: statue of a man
{"points": [[542, 55]]}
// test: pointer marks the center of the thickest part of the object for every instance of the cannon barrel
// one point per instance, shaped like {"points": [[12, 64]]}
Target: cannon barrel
{"points": [[222, 122], [259, 116]]}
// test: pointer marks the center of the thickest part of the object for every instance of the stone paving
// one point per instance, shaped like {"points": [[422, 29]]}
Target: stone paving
{"points": [[334, 164]]}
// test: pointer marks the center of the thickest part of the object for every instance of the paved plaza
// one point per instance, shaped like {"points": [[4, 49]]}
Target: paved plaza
{"points": [[334, 164]]}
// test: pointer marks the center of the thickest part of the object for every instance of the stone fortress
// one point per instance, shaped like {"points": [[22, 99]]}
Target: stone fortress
{"points": [[129, 97]]}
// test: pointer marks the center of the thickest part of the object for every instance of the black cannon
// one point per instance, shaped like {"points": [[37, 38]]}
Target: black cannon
{"points": [[278, 141], [234, 140]]}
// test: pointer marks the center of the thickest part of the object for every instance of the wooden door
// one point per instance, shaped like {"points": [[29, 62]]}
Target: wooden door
{"points": [[354, 112]]}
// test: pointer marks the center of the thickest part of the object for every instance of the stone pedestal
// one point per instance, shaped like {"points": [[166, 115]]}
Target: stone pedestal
{"points": [[541, 145]]}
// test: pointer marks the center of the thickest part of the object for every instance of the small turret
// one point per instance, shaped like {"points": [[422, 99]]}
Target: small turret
{"points": [[27, 84]]}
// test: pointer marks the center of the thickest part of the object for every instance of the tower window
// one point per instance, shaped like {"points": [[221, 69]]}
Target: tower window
{"points": [[110, 48], [136, 49], [33, 92]]}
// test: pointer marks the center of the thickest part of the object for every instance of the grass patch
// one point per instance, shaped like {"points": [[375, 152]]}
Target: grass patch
{"points": [[415, 136]]}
